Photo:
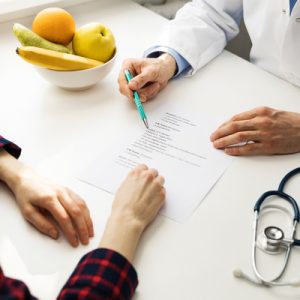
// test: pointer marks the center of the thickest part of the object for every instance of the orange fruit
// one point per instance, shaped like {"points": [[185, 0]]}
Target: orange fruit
{"points": [[55, 25]]}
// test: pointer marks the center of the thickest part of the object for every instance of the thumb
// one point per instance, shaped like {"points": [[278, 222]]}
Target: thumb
{"points": [[140, 80]]}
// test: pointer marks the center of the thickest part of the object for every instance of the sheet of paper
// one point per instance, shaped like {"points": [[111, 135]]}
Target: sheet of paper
{"points": [[177, 145]]}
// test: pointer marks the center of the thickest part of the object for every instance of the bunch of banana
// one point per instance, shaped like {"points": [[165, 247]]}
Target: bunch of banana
{"points": [[55, 60], [29, 38]]}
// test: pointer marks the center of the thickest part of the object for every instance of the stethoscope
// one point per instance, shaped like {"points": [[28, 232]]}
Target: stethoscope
{"points": [[272, 240]]}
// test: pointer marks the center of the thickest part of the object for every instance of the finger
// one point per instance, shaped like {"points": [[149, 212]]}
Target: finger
{"points": [[149, 92], [236, 138], [161, 180], [140, 168], [153, 172], [40, 222], [247, 115], [61, 216], [232, 127], [123, 86], [133, 65], [85, 211], [249, 149], [75, 207]]}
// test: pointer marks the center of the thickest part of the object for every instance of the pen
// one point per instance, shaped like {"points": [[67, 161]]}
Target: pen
{"points": [[137, 100]]}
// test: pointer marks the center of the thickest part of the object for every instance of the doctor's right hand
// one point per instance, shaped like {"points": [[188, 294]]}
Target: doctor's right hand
{"points": [[151, 75]]}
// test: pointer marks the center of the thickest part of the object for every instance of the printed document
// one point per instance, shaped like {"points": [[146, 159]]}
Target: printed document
{"points": [[178, 146]]}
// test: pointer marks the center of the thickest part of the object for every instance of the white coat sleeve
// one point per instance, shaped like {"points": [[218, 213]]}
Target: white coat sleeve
{"points": [[201, 30]]}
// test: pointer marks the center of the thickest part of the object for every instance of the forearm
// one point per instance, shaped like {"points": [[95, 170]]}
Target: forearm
{"points": [[122, 236]]}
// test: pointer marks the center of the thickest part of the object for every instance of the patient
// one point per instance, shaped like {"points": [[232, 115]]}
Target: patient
{"points": [[106, 272]]}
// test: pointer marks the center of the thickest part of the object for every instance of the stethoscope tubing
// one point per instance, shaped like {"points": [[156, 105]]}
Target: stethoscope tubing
{"points": [[268, 282], [281, 194]]}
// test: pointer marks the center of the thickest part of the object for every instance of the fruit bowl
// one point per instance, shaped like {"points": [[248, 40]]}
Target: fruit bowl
{"points": [[77, 80]]}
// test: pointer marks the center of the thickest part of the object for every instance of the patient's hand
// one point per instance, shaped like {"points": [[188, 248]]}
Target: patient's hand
{"points": [[45, 204]]}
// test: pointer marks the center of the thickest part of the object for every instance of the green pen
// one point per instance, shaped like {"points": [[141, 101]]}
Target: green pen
{"points": [[137, 100]]}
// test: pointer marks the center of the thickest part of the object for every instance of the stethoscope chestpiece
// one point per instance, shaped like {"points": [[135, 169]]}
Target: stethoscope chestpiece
{"points": [[272, 240]]}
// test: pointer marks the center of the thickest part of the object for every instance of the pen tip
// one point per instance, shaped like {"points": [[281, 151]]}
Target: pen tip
{"points": [[146, 123]]}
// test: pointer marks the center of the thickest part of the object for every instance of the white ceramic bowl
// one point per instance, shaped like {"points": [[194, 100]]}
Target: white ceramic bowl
{"points": [[77, 80]]}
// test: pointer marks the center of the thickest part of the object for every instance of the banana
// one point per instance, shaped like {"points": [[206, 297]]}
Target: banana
{"points": [[29, 38], [56, 60]]}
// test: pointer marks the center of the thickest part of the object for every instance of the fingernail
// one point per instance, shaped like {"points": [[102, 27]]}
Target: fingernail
{"points": [[217, 143], [75, 242], [53, 233], [91, 232]]}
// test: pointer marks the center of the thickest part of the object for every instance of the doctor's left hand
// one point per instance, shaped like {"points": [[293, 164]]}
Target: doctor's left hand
{"points": [[45, 204], [268, 130]]}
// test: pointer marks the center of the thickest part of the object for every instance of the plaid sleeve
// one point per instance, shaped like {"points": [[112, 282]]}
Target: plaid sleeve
{"points": [[13, 289], [10, 147], [101, 274]]}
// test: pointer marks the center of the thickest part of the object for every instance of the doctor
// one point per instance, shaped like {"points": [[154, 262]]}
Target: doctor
{"points": [[199, 33]]}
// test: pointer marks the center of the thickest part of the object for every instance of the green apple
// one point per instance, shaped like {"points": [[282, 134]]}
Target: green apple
{"points": [[95, 41]]}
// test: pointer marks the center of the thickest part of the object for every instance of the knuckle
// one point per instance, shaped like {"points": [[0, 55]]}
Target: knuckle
{"points": [[81, 204], [48, 199], [148, 176], [162, 194], [263, 110], [265, 122], [65, 220], [153, 73], [233, 127], [241, 136], [82, 230], [142, 78], [76, 211], [235, 117]]}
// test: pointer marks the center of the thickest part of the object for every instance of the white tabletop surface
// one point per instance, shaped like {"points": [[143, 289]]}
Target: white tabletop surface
{"points": [[62, 131]]}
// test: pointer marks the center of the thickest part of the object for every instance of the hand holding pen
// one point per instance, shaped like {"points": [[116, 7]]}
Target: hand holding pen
{"points": [[137, 101], [151, 75]]}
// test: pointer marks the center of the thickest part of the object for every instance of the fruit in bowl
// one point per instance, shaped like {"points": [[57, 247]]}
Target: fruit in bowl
{"points": [[95, 41], [78, 80], [47, 47], [55, 25]]}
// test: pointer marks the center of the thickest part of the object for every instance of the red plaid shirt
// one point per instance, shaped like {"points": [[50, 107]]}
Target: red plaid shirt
{"points": [[100, 274]]}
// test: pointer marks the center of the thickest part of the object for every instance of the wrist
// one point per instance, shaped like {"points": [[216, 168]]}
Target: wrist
{"points": [[170, 64], [128, 222], [122, 235], [10, 170]]}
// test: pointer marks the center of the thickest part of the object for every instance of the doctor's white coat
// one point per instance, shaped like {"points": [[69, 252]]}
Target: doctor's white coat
{"points": [[202, 29]]}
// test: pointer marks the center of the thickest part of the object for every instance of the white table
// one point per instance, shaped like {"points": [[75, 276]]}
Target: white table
{"points": [[62, 131]]}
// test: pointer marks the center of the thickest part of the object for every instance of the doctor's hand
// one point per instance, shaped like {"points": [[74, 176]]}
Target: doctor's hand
{"points": [[136, 204], [47, 205], [268, 130], [151, 75]]}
